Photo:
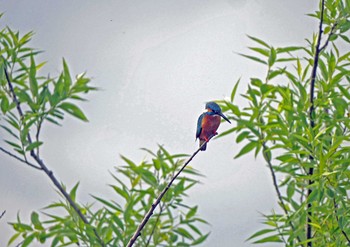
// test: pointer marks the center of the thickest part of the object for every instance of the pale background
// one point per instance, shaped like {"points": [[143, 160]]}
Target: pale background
{"points": [[157, 62]]}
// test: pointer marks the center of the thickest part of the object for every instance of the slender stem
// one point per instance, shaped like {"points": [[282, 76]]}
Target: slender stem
{"points": [[275, 184], [312, 122], [2, 214], [159, 198], [161, 207], [20, 159], [336, 216], [48, 172]]}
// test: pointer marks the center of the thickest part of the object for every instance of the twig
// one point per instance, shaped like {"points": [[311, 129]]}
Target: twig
{"points": [[48, 172], [155, 224], [329, 36], [159, 198], [275, 184], [2, 214], [312, 121], [336, 216], [18, 158]]}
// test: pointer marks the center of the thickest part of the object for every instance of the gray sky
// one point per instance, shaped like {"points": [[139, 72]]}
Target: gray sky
{"points": [[157, 63]]}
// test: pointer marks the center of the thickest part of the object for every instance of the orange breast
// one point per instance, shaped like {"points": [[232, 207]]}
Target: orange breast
{"points": [[209, 126]]}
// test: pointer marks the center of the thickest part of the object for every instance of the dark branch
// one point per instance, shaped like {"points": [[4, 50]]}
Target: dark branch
{"points": [[159, 198], [336, 216], [2, 214], [18, 158], [312, 120], [329, 36]]}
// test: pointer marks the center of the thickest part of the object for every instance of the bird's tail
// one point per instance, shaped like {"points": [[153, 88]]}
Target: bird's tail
{"points": [[204, 147]]}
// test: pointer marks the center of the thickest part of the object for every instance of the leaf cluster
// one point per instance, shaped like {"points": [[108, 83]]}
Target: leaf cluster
{"points": [[136, 187], [276, 124]]}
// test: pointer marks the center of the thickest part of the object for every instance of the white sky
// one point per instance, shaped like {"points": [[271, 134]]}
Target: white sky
{"points": [[157, 63]]}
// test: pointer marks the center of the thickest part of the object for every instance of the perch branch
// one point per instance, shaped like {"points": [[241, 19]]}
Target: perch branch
{"points": [[159, 198]]}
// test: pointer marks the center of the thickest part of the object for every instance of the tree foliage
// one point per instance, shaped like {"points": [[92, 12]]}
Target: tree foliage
{"points": [[29, 101], [298, 118]]}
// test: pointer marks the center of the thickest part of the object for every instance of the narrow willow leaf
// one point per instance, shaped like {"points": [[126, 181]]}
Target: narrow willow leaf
{"points": [[272, 57], [33, 145], [233, 93], [259, 41], [33, 83], [246, 149], [73, 110], [254, 58], [200, 240]]}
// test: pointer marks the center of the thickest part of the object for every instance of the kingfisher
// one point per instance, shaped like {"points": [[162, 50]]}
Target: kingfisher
{"points": [[208, 123]]}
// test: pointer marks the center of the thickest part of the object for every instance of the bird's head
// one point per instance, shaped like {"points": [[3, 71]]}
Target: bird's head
{"points": [[215, 108]]}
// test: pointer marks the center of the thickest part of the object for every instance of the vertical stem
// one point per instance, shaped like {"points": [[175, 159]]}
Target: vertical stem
{"points": [[312, 123]]}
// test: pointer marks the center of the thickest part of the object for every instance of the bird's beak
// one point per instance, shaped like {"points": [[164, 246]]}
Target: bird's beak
{"points": [[224, 117]]}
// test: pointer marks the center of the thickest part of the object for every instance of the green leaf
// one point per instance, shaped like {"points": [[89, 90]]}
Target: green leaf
{"points": [[261, 51], [253, 58], [73, 110], [4, 104], [272, 57], [344, 91], [35, 221], [66, 75], [233, 93], [247, 148], [259, 41], [33, 145], [200, 240], [192, 212], [242, 136], [73, 192], [28, 240], [259, 233], [32, 77], [13, 238], [183, 232], [270, 239]]}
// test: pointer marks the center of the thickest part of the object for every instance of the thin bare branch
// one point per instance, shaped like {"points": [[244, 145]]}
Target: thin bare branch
{"points": [[18, 158], [159, 198], [337, 218], [275, 185], [329, 37], [2, 214]]}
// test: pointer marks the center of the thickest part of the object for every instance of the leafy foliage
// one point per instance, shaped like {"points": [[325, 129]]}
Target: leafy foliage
{"points": [[28, 101], [276, 124], [136, 188], [42, 98]]}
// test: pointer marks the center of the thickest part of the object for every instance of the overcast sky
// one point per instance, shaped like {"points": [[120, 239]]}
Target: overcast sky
{"points": [[157, 63]]}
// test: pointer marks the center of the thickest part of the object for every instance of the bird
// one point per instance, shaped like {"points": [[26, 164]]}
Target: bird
{"points": [[208, 123]]}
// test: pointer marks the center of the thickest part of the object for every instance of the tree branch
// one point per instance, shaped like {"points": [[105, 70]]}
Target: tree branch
{"points": [[336, 216], [20, 159], [48, 172], [275, 184], [312, 121], [155, 224], [2, 214], [159, 198]]}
